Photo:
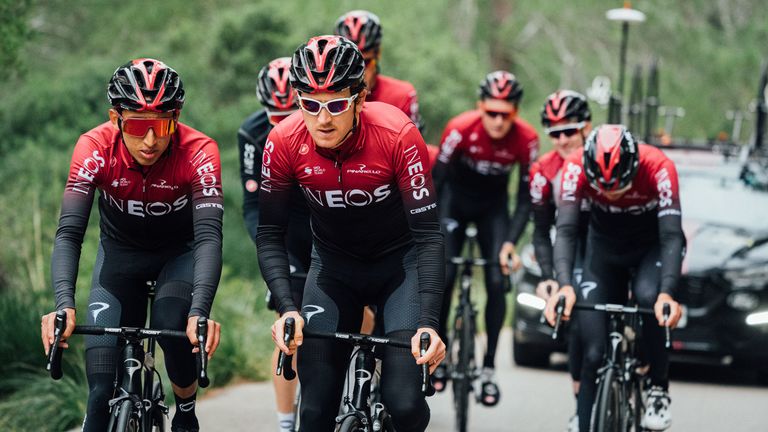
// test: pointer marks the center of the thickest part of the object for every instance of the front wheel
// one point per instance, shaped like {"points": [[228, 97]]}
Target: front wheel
{"points": [[463, 373], [351, 424], [126, 420], [606, 415]]}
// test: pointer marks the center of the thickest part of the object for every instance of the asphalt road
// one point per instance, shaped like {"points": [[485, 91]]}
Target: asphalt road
{"points": [[703, 399]]}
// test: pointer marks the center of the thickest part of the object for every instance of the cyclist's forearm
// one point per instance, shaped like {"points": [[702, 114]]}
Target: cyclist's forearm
{"points": [[671, 245], [565, 242], [522, 212], [431, 274], [207, 259], [75, 212], [273, 261], [251, 218], [543, 220]]}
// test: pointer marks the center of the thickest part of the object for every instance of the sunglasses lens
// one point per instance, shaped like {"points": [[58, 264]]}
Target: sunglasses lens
{"points": [[495, 114], [310, 105], [140, 126], [338, 106], [568, 132]]}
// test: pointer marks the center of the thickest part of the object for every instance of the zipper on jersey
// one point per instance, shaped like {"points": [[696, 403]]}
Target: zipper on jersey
{"points": [[339, 166]]}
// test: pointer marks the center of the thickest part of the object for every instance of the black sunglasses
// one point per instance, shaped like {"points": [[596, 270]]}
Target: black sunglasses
{"points": [[495, 114], [569, 130]]}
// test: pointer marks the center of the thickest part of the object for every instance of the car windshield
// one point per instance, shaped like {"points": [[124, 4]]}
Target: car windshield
{"points": [[710, 191]]}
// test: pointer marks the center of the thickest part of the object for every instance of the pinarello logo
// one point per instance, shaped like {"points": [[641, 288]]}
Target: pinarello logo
{"points": [[304, 149], [251, 185]]}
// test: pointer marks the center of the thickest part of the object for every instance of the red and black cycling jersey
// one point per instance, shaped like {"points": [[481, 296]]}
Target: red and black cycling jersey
{"points": [[368, 198], [176, 201], [478, 167], [398, 93], [545, 175], [251, 138], [646, 215]]}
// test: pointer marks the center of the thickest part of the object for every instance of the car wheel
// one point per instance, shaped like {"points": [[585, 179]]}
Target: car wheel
{"points": [[529, 355]]}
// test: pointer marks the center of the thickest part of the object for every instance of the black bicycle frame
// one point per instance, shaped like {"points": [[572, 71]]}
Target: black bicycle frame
{"points": [[365, 368]]}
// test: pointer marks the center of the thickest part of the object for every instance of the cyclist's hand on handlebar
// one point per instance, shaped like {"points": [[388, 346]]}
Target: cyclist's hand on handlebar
{"points": [[546, 288], [436, 352], [570, 300], [507, 254], [278, 329], [675, 311], [212, 338], [48, 325]]}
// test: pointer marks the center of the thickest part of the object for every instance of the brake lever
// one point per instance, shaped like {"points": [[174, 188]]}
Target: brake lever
{"points": [[202, 357], [666, 312], [286, 361], [426, 383], [559, 308], [55, 352]]}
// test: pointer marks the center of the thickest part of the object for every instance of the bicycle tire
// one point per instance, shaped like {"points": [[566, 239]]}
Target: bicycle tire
{"points": [[638, 405], [351, 424], [607, 415], [462, 385], [158, 417], [124, 417]]}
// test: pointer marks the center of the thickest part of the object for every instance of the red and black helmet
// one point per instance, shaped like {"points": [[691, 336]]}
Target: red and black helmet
{"points": [[146, 84], [565, 105], [500, 85], [610, 157], [273, 88], [361, 27], [327, 64]]}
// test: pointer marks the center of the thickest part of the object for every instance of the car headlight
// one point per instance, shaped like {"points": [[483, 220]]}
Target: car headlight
{"points": [[757, 318], [743, 300], [750, 277], [531, 300]]}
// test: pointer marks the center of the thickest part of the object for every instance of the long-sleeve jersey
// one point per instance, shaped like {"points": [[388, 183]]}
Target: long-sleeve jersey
{"points": [[176, 201], [251, 138], [369, 197], [398, 93], [478, 167], [647, 214], [545, 176]]}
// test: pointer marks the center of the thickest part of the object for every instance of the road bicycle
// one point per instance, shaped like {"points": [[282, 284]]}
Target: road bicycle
{"points": [[138, 404], [619, 404], [462, 367], [362, 411]]}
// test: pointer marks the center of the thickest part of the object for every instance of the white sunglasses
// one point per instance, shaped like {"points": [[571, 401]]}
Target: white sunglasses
{"points": [[334, 106]]}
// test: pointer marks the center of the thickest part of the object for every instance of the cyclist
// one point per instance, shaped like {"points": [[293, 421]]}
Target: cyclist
{"points": [[364, 29], [278, 99], [567, 120], [478, 150], [363, 169], [161, 209], [634, 234]]}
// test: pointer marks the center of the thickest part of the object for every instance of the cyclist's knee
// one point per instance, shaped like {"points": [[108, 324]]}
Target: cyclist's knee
{"points": [[646, 296], [100, 370], [593, 358], [409, 414]]}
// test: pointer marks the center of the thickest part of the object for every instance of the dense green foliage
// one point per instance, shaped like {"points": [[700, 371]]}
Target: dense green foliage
{"points": [[709, 57]]}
